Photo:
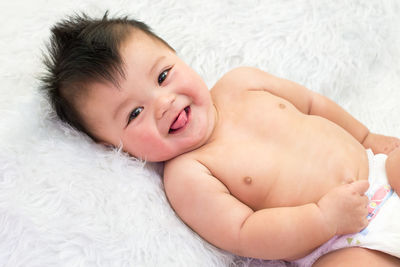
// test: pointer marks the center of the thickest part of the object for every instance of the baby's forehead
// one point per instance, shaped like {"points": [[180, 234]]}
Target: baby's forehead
{"points": [[137, 39]]}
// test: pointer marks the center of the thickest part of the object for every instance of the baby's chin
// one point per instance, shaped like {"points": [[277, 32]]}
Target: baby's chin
{"points": [[166, 153]]}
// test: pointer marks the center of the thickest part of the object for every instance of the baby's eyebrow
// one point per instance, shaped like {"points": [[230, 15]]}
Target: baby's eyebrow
{"points": [[158, 60]]}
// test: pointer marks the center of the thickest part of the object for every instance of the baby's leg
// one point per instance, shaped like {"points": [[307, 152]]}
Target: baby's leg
{"points": [[349, 257], [393, 169]]}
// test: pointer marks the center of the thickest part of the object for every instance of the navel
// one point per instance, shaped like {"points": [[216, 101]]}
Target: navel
{"points": [[247, 180], [347, 180], [282, 106]]}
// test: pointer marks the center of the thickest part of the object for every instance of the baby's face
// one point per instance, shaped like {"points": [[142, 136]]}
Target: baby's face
{"points": [[161, 110]]}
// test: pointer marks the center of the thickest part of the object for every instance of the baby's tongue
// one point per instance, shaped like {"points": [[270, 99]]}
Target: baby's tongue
{"points": [[180, 121]]}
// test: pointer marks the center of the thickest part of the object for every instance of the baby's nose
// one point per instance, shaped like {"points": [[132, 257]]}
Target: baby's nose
{"points": [[163, 104]]}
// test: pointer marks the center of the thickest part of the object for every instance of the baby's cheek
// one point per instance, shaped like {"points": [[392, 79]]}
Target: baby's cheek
{"points": [[151, 147]]}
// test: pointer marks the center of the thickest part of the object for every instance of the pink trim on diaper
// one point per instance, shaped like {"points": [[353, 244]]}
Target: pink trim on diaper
{"points": [[377, 200]]}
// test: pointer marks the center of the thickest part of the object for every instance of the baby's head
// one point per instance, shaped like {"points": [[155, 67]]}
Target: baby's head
{"points": [[121, 84]]}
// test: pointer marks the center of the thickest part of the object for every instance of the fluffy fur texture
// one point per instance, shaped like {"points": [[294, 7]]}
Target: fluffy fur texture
{"points": [[65, 201]]}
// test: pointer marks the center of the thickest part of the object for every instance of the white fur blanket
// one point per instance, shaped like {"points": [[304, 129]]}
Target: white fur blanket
{"points": [[65, 201]]}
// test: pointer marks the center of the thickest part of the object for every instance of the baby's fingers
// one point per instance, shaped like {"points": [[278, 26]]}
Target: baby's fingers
{"points": [[360, 186], [365, 201]]}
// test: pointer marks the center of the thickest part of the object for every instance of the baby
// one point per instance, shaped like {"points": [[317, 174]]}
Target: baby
{"points": [[258, 166]]}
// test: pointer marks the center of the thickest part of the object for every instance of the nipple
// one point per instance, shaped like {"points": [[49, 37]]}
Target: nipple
{"points": [[247, 180], [282, 106]]}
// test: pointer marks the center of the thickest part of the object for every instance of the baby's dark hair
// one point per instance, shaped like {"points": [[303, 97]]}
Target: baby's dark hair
{"points": [[82, 50]]}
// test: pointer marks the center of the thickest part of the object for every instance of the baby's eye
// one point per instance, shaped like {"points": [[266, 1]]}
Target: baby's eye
{"points": [[134, 114], [163, 75]]}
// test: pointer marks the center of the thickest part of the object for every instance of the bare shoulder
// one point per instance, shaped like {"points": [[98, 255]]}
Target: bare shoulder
{"points": [[185, 178], [243, 78], [248, 80]]}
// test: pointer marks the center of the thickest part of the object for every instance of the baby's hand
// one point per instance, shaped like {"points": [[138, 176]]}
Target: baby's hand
{"points": [[345, 208], [381, 143]]}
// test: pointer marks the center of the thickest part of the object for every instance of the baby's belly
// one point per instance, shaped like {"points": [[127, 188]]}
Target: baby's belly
{"points": [[289, 173], [295, 184], [307, 181]]}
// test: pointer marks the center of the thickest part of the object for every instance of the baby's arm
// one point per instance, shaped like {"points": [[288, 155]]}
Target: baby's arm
{"points": [[206, 205], [322, 106], [381, 143]]}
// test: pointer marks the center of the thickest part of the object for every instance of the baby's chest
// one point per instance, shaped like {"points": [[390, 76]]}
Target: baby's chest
{"points": [[256, 140], [257, 113], [247, 169]]}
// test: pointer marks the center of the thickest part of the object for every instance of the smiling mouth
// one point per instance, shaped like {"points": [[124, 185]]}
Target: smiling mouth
{"points": [[180, 121]]}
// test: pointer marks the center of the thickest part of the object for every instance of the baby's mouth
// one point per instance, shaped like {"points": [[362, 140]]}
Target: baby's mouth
{"points": [[180, 120]]}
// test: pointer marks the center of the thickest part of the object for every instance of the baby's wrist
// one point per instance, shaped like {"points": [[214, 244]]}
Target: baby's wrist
{"points": [[365, 140], [328, 225]]}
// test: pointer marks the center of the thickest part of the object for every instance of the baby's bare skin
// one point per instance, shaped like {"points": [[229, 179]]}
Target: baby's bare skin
{"points": [[262, 167], [256, 155], [268, 152]]}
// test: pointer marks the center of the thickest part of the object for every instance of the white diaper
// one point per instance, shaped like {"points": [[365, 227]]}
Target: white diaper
{"points": [[383, 231]]}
